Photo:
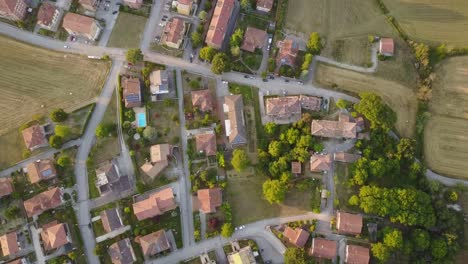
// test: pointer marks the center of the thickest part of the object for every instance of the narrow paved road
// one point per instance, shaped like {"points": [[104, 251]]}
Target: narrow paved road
{"points": [[351, 67]]}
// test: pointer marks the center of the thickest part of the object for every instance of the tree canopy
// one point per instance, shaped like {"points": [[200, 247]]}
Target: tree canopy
{"points": [[220, 63], [63, 131], [240, 160], [64, 161], [56, 141], [227, 230], [380, 251], [197, 39], [314, 45], [134, 55], [58, 115], [274, 191], [295, 255], [150, 133], [106, 130], [207, 53], [420, 239], [376, 111]]}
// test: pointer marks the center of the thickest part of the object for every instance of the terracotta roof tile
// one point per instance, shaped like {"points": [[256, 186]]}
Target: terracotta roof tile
{"points": [[333, 129], [323, 248], [210, 199], [121, 252], [219, 23], [54, 236], [202, 99], [13, 8], [41, 170], [357, 255], [310, 102], [206, 143], [280, 106], [347, 223], [266, 4], [156, 204], [43, 201], [296, 167], [387, 47], [174, 31], [297, 236], [154, 243], [254, 38], [78, 23], [346, 157], [34, 137], [287, 53], [6, 187], [9, 243], [131, 92], [46, 13], [320, 162]]}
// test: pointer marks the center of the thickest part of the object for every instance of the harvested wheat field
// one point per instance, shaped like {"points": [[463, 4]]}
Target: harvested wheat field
{"points": [[433, 21], [400, 98], [35, 80], [446, 146]]}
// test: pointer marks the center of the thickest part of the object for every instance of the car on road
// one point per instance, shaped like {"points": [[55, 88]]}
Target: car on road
{"points": [[67, 47], [246, 76], [271, 77], [115, 12], [191, 59], [157, 38], [224, 82], [286, 80], [265, 80], [165, 16], [300, 82], [162, 24], [164, 19], [284, 92], [73, 38]]}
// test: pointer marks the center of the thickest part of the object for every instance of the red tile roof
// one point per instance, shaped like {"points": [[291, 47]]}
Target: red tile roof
{"points": [[121, 252], [320, 162], [206, 143], [34, 137], [235, 124], [347, 223], [333, 129], [54, 235], [131, 92], [357, 255], [43, 202], [323, 248], [310, 102], [297, 236], [387, 47], [13, 8], [266, 4], [219, 23], [203, 100], [6, 187], [254, 38], [9, 243], [41, 170], [296, 167], [287, 53], [346, 157], [279, 106], [174, 31], [154, 243], [46, 13], [156, 204], [78, 23], [210, 199]]}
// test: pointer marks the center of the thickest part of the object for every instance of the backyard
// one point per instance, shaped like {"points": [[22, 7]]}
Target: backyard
{"points": [[128, 31]]}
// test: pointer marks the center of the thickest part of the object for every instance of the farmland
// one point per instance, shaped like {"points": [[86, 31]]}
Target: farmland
{"points": [[432, 21], [35, 80], [128, 31], [400, 98]]}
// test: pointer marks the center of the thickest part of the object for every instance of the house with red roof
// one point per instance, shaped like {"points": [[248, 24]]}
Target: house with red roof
{"points": [[357, 255], [203, 100], [184, 6], [84, 26], [13, 9], [323, 248], [154, 243], [48, 16], [173, 33], [206, 143], [386, 47], [209, 199], [34, 137], [320, 163], [9, 244], [219, 29], [347, 223], [55, 235], [156, 204], [296, 236], [254, 38], [287, 53], [6, 187], [265, 5]]}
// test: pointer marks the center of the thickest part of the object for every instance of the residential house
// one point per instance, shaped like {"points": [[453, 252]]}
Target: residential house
{"points": [[360, 123], [107, 174], [9, 243], [296, 167], [159, 160], [6, 187], [283, 108], [254, 38], [320, 163], [235, 123], [131, 92], [173, 33], [287, 53], [203, 100], [296, 236], [159, 82], [90, 5], [34, 137], [311, 103], [347, 223], [242, 256], [343, 128], [323, 248], [19, 261], [48, 16], [135, 4], [40, 170], [345, 157], [43, 201], [205, 259], [209, 199], [219, 26], [206, 143], [156, 204], [13, 9], [83, 26], [184, 7], [357, 255], [55, 235], [121, 252], [265, 5], [387, 47], [111, 219], [154, 243]]}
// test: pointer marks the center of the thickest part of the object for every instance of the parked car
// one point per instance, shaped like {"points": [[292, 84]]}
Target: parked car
{"points": [[73, 38], [115, 12], [163, 19], [225, 82], [286, 80], [271, 77], [67, 47], [265, 80], [300, 82], [246, 77]]}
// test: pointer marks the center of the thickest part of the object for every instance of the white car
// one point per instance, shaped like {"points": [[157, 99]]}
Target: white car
{"points": [[225, 82], [67, 47]]}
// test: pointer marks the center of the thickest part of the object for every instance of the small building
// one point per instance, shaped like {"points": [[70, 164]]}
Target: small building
{"points": [[9, 243], [206, 143], [159, 160], [90, 5], [203, 100], [386, 47], [296, 167], [234, 125], [357, 255], [347, 223], [154, 243], [265, 5], [297, 236], [6, 187], [43, 201], [34, 137], [345, 157], [55, 235], [131, 92], [48, 16], [333, 129], [287, 107], [13, 9], [41, 170], [287, 53], [311, 103], [83, 26], [19, 261], [107, 174], [323, 248], [254, 38], [365, 135], [184, 6], [219, 26], [121, 252], [242, 256], [111, 219], [135, 4], [209, 199], [159, 82], [320, 163], [156, 204], [173, 34]]}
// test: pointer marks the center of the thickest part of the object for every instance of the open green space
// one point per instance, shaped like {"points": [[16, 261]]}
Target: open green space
{"points": [[128, 31]]}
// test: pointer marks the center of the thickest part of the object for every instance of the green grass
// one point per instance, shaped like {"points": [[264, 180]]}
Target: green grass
{"points": [[156, 47], [128, 31], [98, 229], [12, 146], [343, 190], [252, 60], [252, 20]]}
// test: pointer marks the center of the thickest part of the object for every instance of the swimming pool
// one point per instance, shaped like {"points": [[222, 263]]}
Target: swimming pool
{"points": [[141, 119]]}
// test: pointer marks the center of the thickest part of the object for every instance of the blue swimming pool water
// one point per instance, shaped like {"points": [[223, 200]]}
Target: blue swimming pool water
{"points": [[141, 120]]}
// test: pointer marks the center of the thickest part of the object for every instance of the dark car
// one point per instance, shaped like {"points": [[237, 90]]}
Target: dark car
{"points": [[246, 76], [191, 59], [164, 16], [163, 19], [115, 12], [286, 80], [265, 80], [271, 77]]}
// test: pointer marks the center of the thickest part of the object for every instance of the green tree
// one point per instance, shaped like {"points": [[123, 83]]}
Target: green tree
{"points": [[353, 200], [207, 53], [406, 149], [227, 230], [197, 39], [63, 131], [380, 251], [235, 51], [72, 255], [286, 177], [421, 52], [150, 133], [439, 248], [276, 148], [194, 84], [220, 159], [134, 55], [64, 161], [393, 239], [105, 130], [240, 160], [314, 45], [58, 115], [295, 255], [246, 4], [291, 136], [12, 212], [236, 38], [341, 103], [202, 15], [271, 129], [274, 191], [56, 141], [307, 61], [420, 239], [220, 63], [276, 168], [376, 111], [451, 196]]}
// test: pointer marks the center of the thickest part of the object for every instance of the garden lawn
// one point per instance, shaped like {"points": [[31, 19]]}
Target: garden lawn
{"points": [[128, 31]]}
